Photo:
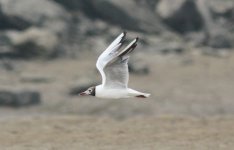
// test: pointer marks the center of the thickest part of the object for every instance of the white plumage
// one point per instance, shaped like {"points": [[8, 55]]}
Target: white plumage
{"points": [[113, 67]]}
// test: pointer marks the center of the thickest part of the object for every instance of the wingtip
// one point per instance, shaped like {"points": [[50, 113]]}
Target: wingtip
{"points": [[137, 38], [135, 41], [123, 36]]}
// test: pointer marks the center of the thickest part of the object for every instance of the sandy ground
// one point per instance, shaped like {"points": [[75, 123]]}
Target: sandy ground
{"points": [[87, 133]]}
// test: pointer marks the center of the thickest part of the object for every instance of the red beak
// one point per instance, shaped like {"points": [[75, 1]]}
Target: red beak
{"points": [[82, 94]]}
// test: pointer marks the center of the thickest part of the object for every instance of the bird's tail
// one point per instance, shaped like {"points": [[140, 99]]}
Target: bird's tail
{"points": [[134, 93]]}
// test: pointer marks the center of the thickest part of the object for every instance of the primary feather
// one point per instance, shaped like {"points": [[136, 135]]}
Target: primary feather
{"points": [[113, 63]]}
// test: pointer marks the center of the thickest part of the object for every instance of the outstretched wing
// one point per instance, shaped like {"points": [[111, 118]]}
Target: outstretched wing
{"points": [[107, 55], [113, 63]]}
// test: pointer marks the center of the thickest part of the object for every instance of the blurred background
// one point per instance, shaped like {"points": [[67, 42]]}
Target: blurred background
{"points": [[48, 51], [185, 59]]}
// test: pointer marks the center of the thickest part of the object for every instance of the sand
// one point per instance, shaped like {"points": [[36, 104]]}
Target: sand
{"points": [[89, 133]]}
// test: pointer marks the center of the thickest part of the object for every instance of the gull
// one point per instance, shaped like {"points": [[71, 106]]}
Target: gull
{"points": [[113, 67]]}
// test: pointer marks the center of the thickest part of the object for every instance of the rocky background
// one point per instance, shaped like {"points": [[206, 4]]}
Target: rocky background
{"points": [[59, 28], [69, 35]]}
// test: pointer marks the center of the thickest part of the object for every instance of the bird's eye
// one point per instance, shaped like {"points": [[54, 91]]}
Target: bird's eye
{"points": [[90, 90]]}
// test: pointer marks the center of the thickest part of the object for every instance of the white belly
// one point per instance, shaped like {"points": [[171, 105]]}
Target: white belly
{"points": [[111, 93], [116, 93]]}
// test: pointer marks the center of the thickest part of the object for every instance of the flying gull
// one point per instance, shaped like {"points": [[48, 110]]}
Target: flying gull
{"points": [[113, 67]]}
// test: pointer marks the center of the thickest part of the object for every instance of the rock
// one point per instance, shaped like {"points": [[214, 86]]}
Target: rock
{"points": [[32, 42], [11, 22], [7, 98], [132, 14], [34, 27], [129, 14], [180, 15], [19, 99], [74, 5], [81, 86], [220, 40], [26, 98], [6, 51], [222, 35], [25, 13], [223, 9], [217, 35], [7, 65]]}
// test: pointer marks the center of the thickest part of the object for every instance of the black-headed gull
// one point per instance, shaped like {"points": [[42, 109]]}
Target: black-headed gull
{"points": [[113, 66]]}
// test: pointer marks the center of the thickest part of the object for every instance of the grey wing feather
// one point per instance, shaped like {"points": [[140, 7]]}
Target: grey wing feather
{"points": [[116, 70], [109, 54], [117, 74]]}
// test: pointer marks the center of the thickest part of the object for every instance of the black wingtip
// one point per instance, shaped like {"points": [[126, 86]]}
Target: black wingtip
{"points": [[124, 37], [137, 38], [129, 49]]}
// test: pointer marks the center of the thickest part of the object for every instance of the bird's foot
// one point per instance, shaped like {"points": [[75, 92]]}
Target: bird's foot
{"points": [[141, 96]]}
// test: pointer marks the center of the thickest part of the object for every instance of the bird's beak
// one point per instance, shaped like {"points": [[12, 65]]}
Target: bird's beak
{"points": [[83, 94]]}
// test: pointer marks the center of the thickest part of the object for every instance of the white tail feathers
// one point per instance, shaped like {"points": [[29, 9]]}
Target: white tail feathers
{"points": [[147, 94], [134, 93]]}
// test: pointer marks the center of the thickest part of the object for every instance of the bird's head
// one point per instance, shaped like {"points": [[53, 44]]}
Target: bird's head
{"points": [[90, 91]]}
